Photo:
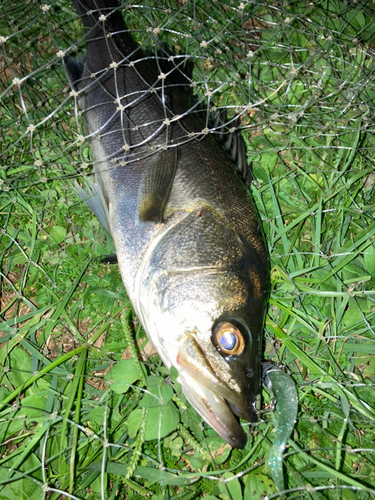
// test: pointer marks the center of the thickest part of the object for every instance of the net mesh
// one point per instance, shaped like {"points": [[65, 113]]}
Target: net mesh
{"points": [[297, 79]]}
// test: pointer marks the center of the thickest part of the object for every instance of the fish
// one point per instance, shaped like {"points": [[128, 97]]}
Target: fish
{"points": [[188, 238]]}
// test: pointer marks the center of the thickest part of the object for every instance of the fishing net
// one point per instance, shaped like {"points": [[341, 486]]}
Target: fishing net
{"points": [[87, 408]]}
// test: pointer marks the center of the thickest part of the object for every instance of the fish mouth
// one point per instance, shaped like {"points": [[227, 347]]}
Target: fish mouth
{"points": [[211, 398]]}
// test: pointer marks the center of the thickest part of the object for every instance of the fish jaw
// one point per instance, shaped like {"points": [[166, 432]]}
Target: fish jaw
{"points": [[208, 395], [215, 411]]}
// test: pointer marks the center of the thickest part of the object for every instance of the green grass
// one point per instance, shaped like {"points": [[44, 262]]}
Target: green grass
{"points": [[77, 416]]}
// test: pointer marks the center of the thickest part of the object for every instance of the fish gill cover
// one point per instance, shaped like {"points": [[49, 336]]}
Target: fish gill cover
{"points": [[87, 408]]}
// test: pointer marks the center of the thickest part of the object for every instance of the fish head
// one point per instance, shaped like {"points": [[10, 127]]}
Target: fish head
{"points": [[202, 300]]}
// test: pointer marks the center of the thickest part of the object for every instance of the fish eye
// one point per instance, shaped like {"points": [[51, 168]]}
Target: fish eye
{"points": [[228, 339]]}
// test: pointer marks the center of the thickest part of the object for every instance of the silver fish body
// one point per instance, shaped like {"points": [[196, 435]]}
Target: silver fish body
{"points": [[187, 236]]}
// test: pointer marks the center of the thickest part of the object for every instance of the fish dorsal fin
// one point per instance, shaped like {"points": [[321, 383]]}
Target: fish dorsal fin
{"points": [[231, 139], [94, 198], [156, 185]]}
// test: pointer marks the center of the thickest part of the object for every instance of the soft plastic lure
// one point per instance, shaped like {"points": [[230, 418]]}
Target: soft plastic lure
{"points": [[285, 392]]}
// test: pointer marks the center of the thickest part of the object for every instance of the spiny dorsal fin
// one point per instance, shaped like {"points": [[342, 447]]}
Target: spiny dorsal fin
{"points": [[232, 142]]}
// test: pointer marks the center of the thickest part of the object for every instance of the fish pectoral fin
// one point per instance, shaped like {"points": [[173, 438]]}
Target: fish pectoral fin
{"points": [[95, 200], [156, 186]]}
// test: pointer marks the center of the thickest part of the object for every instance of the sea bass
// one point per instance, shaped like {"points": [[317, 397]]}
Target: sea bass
{"points": [[188, 239]]}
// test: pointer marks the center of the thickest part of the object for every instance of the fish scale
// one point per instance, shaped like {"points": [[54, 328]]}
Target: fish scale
{"points": [[188, 240]]}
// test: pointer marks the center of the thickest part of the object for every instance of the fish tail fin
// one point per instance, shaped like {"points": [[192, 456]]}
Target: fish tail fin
{"points": [[107, 36]]}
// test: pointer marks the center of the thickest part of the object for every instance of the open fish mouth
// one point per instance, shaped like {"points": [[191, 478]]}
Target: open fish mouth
{"points": [[211, 398], [214, 409]]}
